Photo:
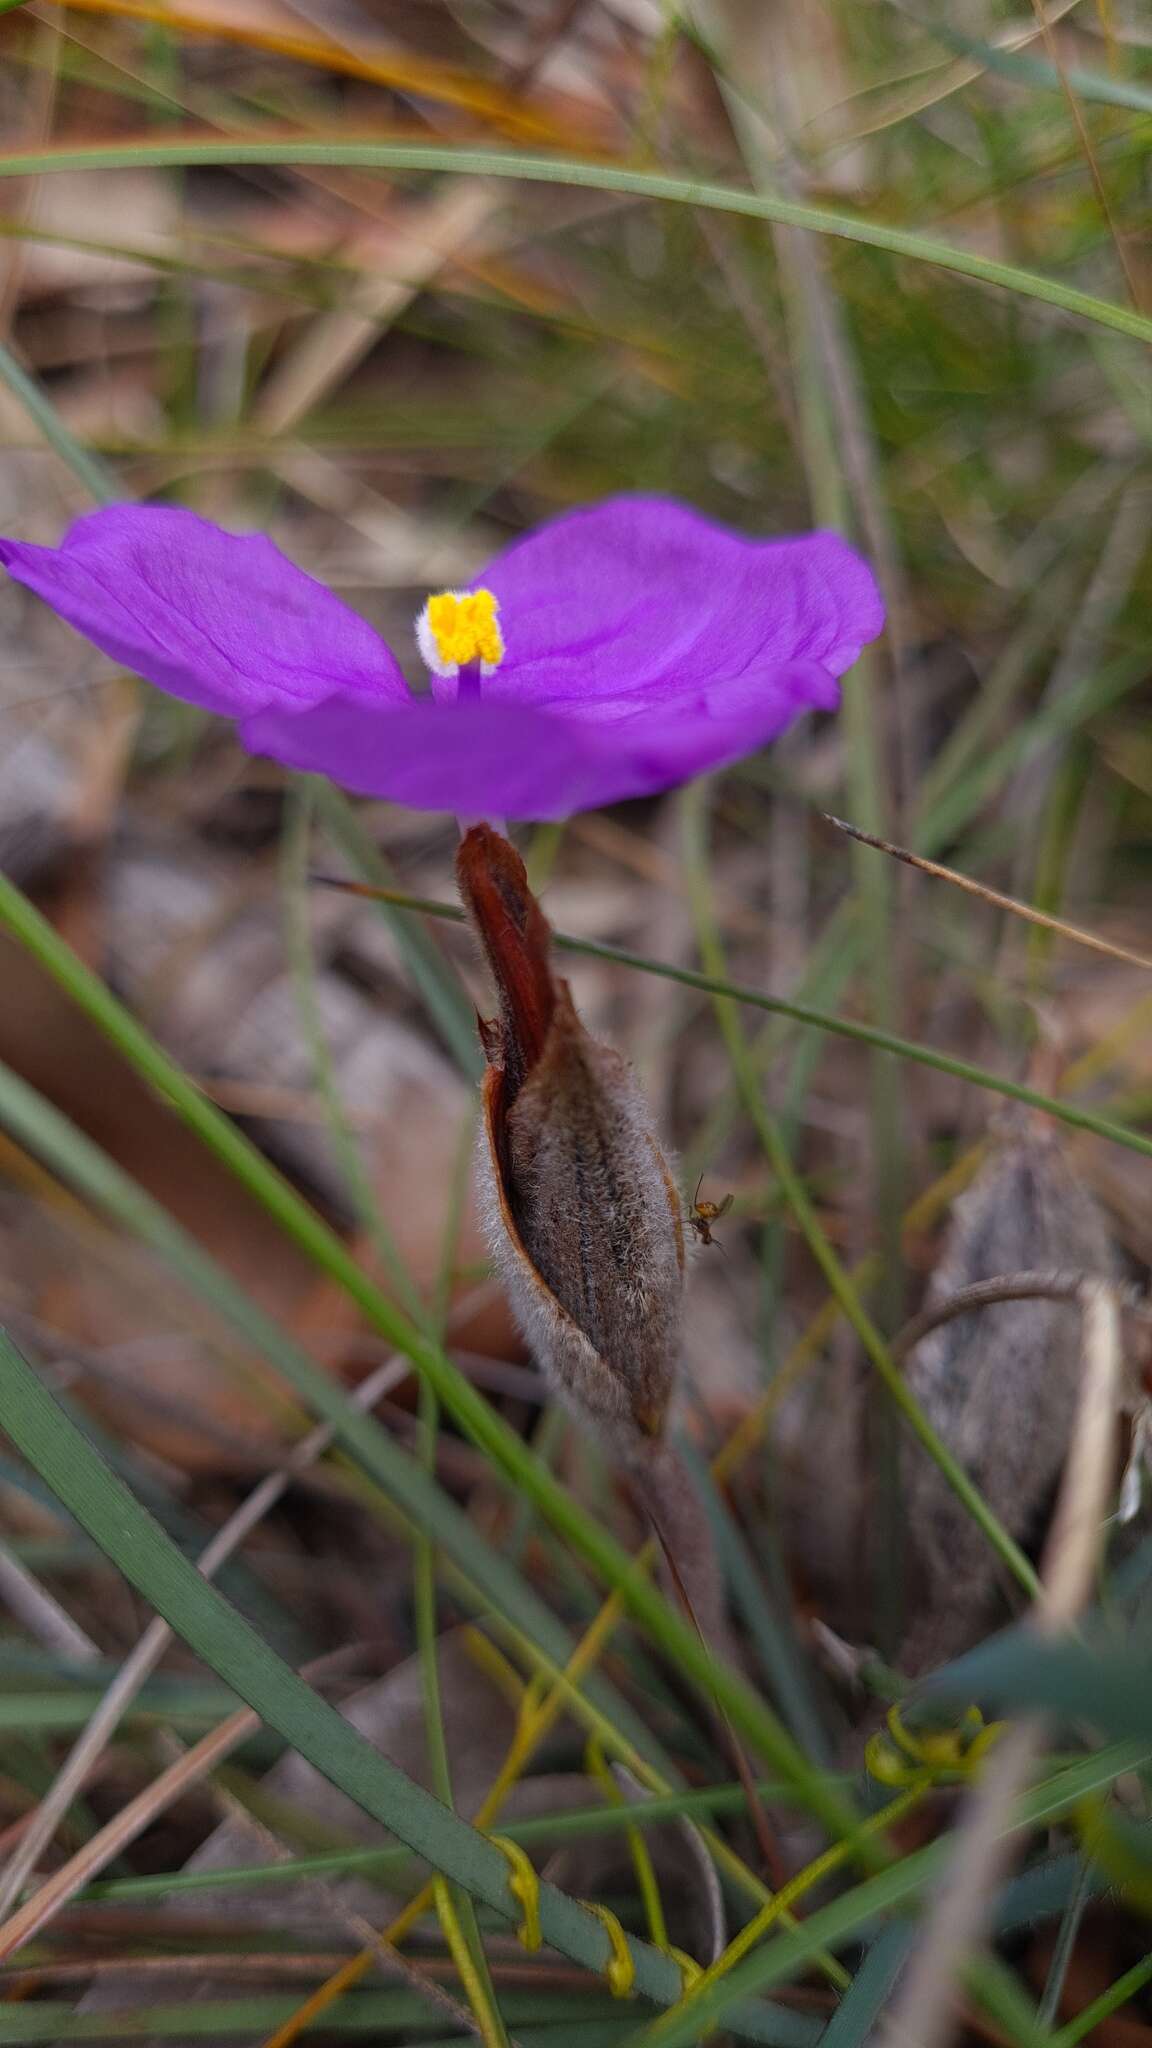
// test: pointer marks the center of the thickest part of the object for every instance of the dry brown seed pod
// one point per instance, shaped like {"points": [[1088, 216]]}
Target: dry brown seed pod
{"points": [[584, 1216], [999, 1383]]}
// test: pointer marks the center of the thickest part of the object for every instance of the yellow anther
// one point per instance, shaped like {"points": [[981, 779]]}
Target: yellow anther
{"points": [[620, 1969], [524, 1886], [462, 627]]}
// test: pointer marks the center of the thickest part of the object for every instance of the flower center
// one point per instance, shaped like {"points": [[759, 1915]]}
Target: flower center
{"points": [[459, 627]]}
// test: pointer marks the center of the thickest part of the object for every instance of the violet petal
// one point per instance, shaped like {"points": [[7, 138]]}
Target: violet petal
{"points": [[475, 758], [491, 758], [642, 597], [221, 619], [644, 645]]}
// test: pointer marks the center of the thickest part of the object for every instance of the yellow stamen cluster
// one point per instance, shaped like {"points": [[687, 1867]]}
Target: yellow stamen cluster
{"points": [[464, 627]]}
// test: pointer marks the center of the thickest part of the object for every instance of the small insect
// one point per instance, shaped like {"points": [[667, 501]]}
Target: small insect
{"points": [[702, 1215]]}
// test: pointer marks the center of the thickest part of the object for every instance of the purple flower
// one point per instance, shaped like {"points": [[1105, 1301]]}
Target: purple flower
{"points": [[611, 653]]}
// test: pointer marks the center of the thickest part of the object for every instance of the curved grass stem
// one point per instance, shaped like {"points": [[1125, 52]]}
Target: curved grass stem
{"points": [[341, 152]]}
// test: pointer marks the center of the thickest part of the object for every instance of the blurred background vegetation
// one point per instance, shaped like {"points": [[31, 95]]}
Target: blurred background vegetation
{"points": [[469, 308]]}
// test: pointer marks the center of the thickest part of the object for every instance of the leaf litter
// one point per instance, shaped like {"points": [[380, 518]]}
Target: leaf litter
{"points": [[577, 345]]}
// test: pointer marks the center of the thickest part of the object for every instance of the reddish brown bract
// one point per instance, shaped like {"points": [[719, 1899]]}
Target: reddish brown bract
{"points": [[583, 1213]]}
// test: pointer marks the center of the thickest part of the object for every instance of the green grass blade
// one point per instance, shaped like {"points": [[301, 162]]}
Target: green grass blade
{"points": [[73, 1155], [1044, 1891], [433, 977], [772, 1634], [861, 1910], [115, 1519], [369, 2016], [100, 481], [1120, 1993], [855, 2017], [818, 1020], [200, 1707], [425, 1505], [594, 177], [1077, 1681], [301, 954], [390, 1865], [838, 1279], [1008, 2004], [1029, 70]]}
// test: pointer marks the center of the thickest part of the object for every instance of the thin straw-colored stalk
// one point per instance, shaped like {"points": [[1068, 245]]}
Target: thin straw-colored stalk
{"points": [[1028, 911], [43, 1616]]}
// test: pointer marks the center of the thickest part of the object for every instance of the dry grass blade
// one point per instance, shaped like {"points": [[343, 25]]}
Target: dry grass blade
{"points": [[390, 67], [1074, 1540], [923, 88], [117, 1834], [1083, 644], [436, 228], [152, 1644], [1028, 911], [42, 1614], [327, 1906], [924, 2006]]}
